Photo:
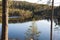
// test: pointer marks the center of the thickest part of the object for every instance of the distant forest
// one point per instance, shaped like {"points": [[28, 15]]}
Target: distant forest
{"points": [[26, 11]]}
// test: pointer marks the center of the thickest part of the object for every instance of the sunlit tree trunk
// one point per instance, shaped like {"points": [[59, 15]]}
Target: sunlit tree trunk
{"points": [[51, 29], [4, 35]]}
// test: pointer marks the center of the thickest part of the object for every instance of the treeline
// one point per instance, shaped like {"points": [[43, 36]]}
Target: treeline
{"points": [[33, 8], [26, 10], [21, 6]]}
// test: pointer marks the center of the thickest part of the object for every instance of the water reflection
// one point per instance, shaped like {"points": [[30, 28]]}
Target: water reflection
{"points": [[57, 21], [57, 24], [18, 30], [57, 29], [32, 33]]}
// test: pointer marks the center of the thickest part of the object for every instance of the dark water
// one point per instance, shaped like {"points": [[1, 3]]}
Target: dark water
{"points": [[18, 30]]}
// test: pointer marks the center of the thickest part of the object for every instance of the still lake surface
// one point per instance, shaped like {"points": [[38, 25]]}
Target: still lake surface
{"points": [[17, 30]]}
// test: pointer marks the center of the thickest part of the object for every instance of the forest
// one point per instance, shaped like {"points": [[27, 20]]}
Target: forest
{"points": [[25, 11]]}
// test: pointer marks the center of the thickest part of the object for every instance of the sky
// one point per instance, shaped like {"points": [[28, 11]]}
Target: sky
{"points": [[56, 2]]}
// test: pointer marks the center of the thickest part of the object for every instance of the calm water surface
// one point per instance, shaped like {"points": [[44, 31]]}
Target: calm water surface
{"points": [[18, 30]]}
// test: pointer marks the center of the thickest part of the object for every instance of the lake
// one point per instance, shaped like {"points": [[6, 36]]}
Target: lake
{"points": [[17, 30]]}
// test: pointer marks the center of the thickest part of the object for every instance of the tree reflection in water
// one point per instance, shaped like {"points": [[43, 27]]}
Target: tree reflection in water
{"points": [[32, 33], [57, 24], [57, 30]]}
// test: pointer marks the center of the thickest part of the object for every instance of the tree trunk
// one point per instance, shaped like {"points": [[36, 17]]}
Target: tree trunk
{"points": [[51, 29], [4, 35]]}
